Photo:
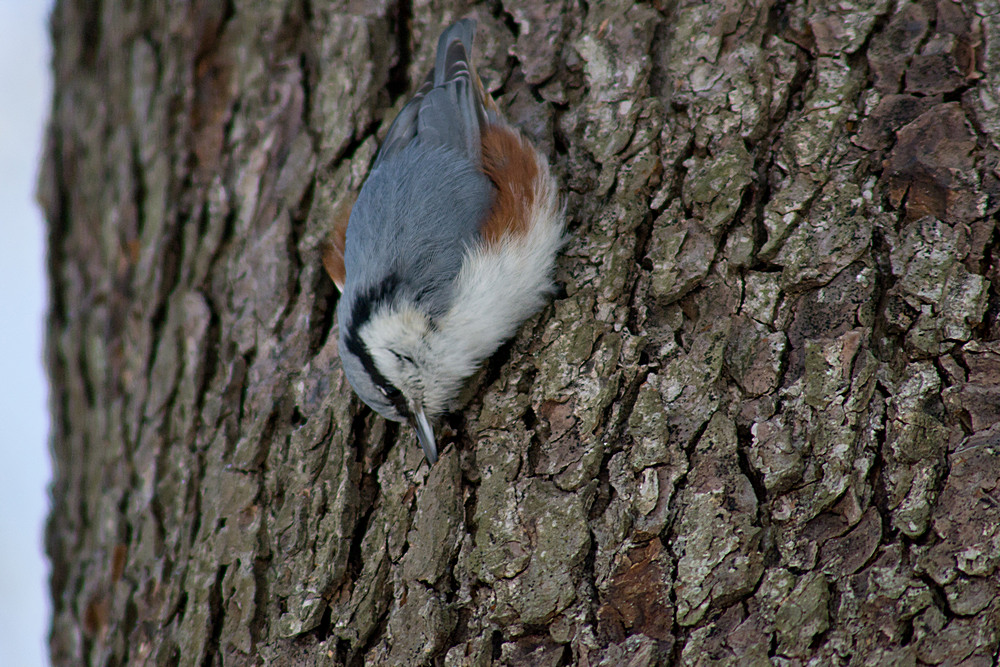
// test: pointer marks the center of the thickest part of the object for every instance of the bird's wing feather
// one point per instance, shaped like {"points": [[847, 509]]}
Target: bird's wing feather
{"points": [[448, 109], [404, 128]]}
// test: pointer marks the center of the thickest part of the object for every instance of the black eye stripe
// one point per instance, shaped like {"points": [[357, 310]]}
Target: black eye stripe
{"points": [[364, 307], [403, 357], [396, 398], [369, 301], [389, 391]]}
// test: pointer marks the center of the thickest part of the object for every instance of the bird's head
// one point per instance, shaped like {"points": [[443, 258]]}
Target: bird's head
{"points": [[393, 356]]}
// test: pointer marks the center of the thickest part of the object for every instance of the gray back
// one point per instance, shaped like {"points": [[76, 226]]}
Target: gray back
{"points": [[414, 219], [426, 196]]}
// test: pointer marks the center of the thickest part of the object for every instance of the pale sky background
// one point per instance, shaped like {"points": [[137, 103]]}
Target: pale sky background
{"points": [[24, 469]]}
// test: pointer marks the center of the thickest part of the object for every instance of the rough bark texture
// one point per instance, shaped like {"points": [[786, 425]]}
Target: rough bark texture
{"points": [[760, 426]]}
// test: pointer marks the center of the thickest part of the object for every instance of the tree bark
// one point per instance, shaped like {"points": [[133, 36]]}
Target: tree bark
{"points": [[759, 426]]}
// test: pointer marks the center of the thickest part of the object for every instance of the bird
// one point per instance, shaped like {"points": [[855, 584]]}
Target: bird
{"points": [[450, 246]]}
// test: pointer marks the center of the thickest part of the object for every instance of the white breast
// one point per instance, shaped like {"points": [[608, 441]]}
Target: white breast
{"points": [[500, 286]]}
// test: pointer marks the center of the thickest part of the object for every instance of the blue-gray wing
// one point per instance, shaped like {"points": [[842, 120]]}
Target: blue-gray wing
{"points": [[426, 197], [416, 217], [447, 111]]}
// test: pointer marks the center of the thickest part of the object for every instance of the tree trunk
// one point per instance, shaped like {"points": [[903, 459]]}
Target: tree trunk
{"points": [[759, 426]]}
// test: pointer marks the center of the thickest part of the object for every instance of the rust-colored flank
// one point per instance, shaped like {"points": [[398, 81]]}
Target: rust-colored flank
{"points": [[333, 249], [509, 161]]}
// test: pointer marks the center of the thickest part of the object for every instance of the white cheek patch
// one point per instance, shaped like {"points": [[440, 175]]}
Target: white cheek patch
{"points": [[394, 336]]}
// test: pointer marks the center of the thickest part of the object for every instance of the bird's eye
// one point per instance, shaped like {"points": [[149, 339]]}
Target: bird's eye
{"points": [[389, 391]]}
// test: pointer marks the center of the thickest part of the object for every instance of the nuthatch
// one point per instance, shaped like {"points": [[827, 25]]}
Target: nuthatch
{"points": [[449, 247]]}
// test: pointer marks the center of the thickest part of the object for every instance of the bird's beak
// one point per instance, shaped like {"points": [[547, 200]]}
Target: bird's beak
{"points": [[425, 434]]}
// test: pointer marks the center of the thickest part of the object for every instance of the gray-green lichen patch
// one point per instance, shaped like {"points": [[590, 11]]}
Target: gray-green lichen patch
{"points": [[611, 527], [688, 378], [644, 475], [843, 27], [715, 538], [501, 545], [713, 188], [433, 536], [915, 446], [614, 47], [569, 337], [313, 527], [788, 203], [557, 524], [802, 615], [580, 364], [964, 521], [810, 142], [418, 627], [809, 470], [836, 234], [808, 147], [761, 296], [733, 86], [228, 537], [610, 247], [530, 537], [637, 650], [570, 457], [984, 99], [947, 300], [681, 252], [776, 455], [649, 428], [755, 357], [731, 640]]}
